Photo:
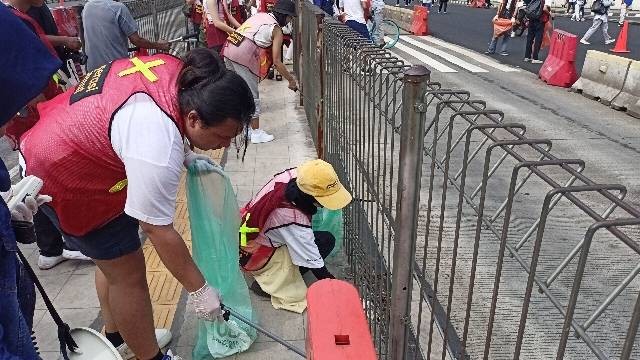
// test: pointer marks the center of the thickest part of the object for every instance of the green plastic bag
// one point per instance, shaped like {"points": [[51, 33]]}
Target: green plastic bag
{"points": [[215, 220], [331, 221]]}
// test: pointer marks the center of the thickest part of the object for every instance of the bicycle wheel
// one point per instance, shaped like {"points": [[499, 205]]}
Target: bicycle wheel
{"points": [[391, 32]]}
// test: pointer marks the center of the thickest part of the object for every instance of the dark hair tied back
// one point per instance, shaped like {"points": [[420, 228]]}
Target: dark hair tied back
{"points": [[215, 93]]}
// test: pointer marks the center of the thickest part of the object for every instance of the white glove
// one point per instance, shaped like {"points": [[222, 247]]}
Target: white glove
{"points": [[25, 210], [206, 301]]}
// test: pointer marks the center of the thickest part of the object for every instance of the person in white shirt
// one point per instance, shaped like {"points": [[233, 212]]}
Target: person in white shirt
{"points": [[115, 152], [354, 13], [600, 20]]}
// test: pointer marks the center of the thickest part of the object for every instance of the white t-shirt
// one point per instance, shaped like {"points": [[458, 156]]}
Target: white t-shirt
{"points": [[288, 227], [150, 146], [291, 227], [264, 35], [353, 10]]}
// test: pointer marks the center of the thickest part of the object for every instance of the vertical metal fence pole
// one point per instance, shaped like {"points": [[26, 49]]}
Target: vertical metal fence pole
{"points": [[408, 201], [154, 19]]}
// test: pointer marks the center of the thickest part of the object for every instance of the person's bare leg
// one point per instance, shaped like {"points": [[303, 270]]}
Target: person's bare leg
{"points": [[129, 302], [255, 123], [102, 288]]}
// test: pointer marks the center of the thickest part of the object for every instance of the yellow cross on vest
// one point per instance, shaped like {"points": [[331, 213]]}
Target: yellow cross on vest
{"points": [[143, 67], [244, 27], [244, 230]]}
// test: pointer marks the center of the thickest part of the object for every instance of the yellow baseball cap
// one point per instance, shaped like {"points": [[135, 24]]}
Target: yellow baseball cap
{"points": [[318, 179]]}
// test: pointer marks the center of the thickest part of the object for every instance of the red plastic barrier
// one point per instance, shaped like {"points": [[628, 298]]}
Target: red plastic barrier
{"points": [[420, 23], [66, 20], [336, 326], [559, 69]]}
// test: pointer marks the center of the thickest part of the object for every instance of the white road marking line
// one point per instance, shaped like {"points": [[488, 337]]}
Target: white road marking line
{"points": [[453, 59], [424, 58], [472, 54]]}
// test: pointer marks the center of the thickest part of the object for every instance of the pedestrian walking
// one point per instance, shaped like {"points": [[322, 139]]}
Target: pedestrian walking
{"points": [[427, 4], [443, 6], [502, 25], [578, 13], [251, 51], [600, 20], [625, 5], [108, 28], [122, 131], [377, 14], [27, 66], [571, 6], [538, 17]]}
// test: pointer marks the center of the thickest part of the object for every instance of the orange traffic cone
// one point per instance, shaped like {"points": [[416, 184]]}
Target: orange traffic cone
{"points": [[621, 43]]}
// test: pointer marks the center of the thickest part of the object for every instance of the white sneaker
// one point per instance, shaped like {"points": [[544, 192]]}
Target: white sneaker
{"points": [[536, 61], [610, 41], [259, 136], [163, 336], [47, 262], [74, 255], [583, 41]]}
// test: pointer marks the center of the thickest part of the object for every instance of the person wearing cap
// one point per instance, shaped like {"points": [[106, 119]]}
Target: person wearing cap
{"points": [[283, 245], [253, 48]]}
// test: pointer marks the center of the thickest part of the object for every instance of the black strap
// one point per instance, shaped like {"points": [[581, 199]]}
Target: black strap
{"points": [[64, 331]]}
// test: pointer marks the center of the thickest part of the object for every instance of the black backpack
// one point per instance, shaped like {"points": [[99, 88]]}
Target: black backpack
{"points": [[598, 7], [534, 9]]}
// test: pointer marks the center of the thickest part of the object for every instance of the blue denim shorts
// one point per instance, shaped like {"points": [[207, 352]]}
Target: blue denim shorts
{"points": [[360, 28], [117, 238]]}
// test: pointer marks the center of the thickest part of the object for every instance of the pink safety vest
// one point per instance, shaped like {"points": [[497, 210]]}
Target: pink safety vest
{"points": [[243, 50]]}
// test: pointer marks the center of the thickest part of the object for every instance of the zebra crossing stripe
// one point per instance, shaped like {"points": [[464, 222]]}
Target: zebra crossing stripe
{"points": [[471, 54], [422, 57], [452, 59]]}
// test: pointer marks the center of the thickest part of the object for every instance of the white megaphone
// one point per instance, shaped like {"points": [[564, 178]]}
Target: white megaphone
{"points": [[91, 345]]}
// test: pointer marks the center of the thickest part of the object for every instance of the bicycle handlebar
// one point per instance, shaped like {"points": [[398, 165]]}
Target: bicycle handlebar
{"points": [[182, 38]]}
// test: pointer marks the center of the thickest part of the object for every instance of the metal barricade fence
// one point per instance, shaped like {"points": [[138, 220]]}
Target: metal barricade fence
{"points": [[309, 30], [157, 19], [474, 240], [160, 19]]}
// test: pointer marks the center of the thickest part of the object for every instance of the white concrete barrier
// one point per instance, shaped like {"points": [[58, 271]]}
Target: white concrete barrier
{"points": [[603, 76], [629, 98]]}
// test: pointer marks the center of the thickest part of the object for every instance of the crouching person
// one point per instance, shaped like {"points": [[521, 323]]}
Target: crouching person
{"points": [[283, 246]]}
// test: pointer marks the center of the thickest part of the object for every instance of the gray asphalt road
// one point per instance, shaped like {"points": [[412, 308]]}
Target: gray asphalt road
{"points": [[472, 28]]}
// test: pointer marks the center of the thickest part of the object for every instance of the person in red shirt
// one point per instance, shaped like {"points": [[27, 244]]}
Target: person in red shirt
{"points": [[194, 10]]}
